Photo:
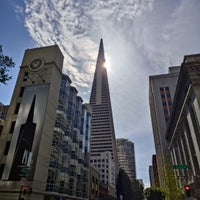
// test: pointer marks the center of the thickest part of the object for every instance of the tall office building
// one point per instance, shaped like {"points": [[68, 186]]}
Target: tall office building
{"points": [[151, 178], [161, 92], [102, 127], [153, 173], [126, 157], [44, 142]]}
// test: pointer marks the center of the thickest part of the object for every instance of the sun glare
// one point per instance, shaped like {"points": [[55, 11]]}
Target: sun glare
{"points": [[107, 63]]}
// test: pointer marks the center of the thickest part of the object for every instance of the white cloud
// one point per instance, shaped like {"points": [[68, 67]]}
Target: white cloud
{"points": [[169, 32]]}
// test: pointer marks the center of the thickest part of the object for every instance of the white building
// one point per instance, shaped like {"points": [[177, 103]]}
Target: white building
{"points": [[105, 164], [161, 92]]}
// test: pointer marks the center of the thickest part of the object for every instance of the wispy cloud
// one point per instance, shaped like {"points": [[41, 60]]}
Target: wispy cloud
{"points": [[77, 27], [169, 32]]}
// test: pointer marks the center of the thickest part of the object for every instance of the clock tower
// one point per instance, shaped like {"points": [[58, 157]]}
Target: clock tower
{"points": [[30, 120]]}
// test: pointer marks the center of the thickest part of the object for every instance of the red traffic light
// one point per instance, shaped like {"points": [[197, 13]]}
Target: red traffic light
{"points": [[187, 190], [25, 189], [187, 187]]}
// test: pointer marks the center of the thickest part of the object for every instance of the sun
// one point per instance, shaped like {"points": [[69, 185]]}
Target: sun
{"points": [[107, 63]]}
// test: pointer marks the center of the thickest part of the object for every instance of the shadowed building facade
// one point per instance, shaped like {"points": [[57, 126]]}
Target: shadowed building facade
{"points": [[183, 131], [44, 142], [103, 143]]}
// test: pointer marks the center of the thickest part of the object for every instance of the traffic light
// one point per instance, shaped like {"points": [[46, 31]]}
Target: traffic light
{"points": [[187, 190], [25, 189]]}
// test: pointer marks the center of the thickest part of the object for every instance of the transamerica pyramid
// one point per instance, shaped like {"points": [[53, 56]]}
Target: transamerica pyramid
{"points": [[102, 126]]}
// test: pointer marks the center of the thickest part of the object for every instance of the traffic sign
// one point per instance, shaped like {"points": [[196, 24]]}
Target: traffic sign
{"points": [[25, 170], [180, 166]]}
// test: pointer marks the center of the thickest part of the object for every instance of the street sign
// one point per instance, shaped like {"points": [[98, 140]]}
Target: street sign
{"points": [[180, 166], [25, 170]]}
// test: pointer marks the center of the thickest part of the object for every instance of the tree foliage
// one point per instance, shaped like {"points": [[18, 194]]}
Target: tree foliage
{"points": [[154, 193], [171, 189], [6, 63]]}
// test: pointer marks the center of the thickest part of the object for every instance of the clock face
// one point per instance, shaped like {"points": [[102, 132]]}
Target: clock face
{"points": [[36, 64]]}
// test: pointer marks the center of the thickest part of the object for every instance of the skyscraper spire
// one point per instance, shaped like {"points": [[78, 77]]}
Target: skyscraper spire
{"points": [[100, 82], [101, 57]]}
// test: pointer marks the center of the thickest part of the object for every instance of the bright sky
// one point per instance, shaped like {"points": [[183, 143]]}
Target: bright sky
{"points": [[141, 38]]}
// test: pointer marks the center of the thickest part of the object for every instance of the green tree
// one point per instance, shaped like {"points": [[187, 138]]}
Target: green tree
{"points": [[154, 193], [6, 63], [171, 189]]}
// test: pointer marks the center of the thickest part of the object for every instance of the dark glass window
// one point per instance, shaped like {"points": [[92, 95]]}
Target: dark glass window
{"points": [[21, 92], [17, 108], [1, 128], [1, 170], [7, 148], [164, 103], [12, 127]]}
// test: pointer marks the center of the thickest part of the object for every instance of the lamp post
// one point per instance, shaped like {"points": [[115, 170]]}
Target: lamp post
{"points": [[20, 193]]}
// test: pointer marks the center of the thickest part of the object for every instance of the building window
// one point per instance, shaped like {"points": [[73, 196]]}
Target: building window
{"points": [[12, 127], [1, 170], [7, 148], [17, 108], [21, 92], [1, 128], [166, 101]]}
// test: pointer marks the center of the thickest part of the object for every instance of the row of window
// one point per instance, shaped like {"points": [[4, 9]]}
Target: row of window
{"points": [[166, 101], [99, 160], [102, 128]]}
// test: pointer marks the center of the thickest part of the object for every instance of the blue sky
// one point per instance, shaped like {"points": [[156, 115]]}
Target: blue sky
{"points": [[141, 38]]}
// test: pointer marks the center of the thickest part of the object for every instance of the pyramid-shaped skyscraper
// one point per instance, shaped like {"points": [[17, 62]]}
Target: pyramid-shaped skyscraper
{"points": [[102, 127]]}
